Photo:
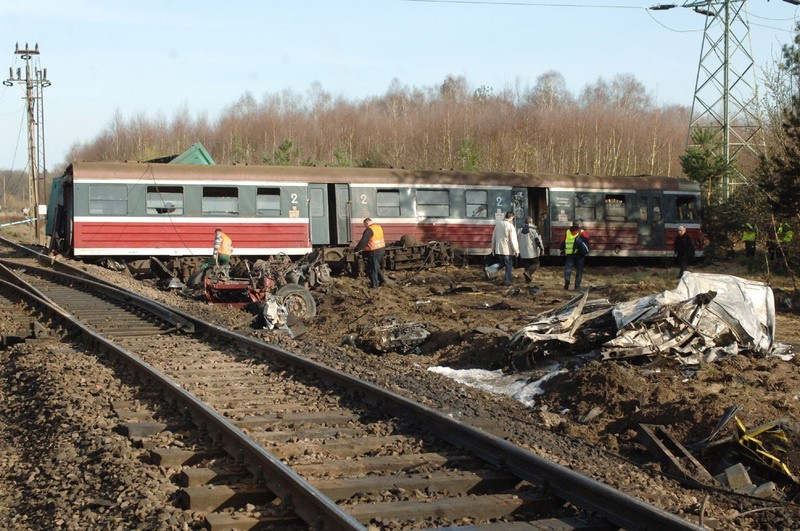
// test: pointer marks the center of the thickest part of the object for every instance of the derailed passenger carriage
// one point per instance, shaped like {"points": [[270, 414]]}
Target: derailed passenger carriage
{"points": [[133, 211]]}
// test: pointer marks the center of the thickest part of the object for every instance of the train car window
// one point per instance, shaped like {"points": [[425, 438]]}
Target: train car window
{"points": [[643, 209], [108, 199], [316, 203], [561, 206], [220, 200], [615, 207], [268, 202], [657, 209], [388, 203], [585, 208], [163, 200], [433, 203], [686, 208], [477, 203]]}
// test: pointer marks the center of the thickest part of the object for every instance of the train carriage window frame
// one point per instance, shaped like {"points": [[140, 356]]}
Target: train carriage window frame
{"points": [[658, 210], [267, 199], [477, 203], [585, 206], [615, 209], [643, 217], [223, 199], [686, 208], [433, 203], [164, 200], [108, 200], [387, 203]]}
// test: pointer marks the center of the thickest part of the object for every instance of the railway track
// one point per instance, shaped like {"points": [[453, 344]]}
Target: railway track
{"points": [[337, 452]]}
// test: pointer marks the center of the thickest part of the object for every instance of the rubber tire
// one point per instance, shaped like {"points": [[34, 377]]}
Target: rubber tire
{"points": [[298, 301]]}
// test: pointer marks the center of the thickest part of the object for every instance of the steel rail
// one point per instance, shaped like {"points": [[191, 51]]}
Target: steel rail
{"points": [[306, 500], [615, 506], [143, 303]]}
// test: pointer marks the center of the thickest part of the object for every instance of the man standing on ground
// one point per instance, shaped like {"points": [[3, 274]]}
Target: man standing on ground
{"points": [[684, 249], [374, 247], [505, 246], [530, 247], [749, 237], [575, 253]]}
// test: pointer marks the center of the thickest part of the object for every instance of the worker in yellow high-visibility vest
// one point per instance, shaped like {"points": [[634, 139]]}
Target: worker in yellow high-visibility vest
{"points": [[749, 237]]}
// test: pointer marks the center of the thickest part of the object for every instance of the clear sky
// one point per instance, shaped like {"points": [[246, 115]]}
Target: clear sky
{"points": [[153, 58]]}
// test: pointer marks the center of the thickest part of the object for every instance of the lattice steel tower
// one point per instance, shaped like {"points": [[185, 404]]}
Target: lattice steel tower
{"points": [[726, 94]]}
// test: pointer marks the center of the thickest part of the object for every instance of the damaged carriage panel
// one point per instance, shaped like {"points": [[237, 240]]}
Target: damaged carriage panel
{"points": [[578, 326], [705, 317]]}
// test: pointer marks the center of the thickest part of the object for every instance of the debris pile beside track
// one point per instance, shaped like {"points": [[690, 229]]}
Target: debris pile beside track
{"points": [[704, 318]]}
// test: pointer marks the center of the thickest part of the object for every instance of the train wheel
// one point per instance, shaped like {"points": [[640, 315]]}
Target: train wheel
{"points": [[335, 259], [298, 301]]}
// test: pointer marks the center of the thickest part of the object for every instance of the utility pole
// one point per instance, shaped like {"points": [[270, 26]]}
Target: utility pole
{"points": [[725, 96], [34, 83]]}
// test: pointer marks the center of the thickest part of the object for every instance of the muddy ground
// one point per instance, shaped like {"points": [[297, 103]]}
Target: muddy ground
{"points": [[458, 305], [470, 320]]}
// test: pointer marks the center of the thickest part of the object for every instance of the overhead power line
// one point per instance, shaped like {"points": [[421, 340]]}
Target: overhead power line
{"points": [[527, 4]]}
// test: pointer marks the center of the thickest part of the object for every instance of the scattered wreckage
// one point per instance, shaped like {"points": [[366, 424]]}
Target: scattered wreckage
{"points": [[389, 335], [707, 316], [749, 461], [280, 276], [406, 253]]}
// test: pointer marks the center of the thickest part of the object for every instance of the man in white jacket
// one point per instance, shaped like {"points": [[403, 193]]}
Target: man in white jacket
{"points": [[505, 246]]}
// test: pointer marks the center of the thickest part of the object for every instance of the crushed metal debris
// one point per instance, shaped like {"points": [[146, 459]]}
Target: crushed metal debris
{"points": [[705, 317], [390, 335]]}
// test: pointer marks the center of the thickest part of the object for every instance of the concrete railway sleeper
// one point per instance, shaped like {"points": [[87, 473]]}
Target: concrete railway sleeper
{"points": [[340, 452]]}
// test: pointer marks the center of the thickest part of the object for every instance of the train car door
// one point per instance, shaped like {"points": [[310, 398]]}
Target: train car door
{"points": [[318, 214], [537, 209], [651, 221], [519, 201], [342, 211]]}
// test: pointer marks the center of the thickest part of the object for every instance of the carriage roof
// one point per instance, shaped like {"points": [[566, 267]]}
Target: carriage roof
{"points": [[155, 173]]}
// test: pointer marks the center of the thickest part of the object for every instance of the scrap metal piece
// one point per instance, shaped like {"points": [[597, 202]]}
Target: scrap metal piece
{"points": [[392, 335], [274, 313], [673, 455], [577, 326], [768, 443], [729, 413]]}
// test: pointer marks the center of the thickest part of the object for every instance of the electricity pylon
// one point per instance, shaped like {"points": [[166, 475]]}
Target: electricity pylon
{"points": [[726, 94], [34, 83]]}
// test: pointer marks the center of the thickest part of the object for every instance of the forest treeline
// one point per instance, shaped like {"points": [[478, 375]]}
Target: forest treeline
{"points": [[610, 127]]}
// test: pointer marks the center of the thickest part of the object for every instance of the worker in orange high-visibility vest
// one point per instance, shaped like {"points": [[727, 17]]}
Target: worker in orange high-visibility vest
{"points": [[373, 246], [223, 249]]}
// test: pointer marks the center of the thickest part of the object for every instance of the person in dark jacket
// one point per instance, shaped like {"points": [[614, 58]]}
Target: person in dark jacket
{"points": [[530, 248], [684, 249]]}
